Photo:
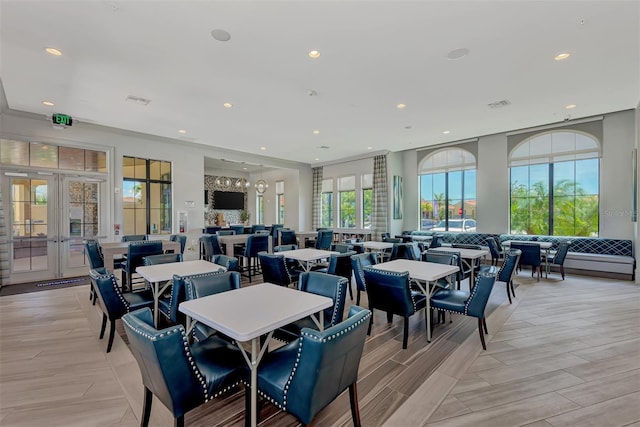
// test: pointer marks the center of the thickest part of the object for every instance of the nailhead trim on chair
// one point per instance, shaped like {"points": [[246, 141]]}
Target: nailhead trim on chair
{"points": [[116, 288], [295, 366], [398, 274], [335, 313], [196, 276]]}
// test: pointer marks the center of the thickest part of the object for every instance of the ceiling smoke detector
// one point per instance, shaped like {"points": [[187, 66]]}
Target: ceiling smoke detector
{"points": [[499, 104], [138, 100]]}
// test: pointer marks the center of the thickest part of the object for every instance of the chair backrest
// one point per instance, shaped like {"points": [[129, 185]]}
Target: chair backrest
{"points": [[179, 294], [274, 269], [256, 243], [340, 265], [498, 243], [134, 237], [358, 262], [384, 236], [341, 247], [329, 286], [399, 251], [479, 295], [239, 229], [211, 245], [161, 259], [165, 362], [288, 237], [328, 364], [213, 229], [179, 238], [462, 272], [530, 253], [436, 241], [140, 249], [561, 254], [389, 291], [413, 251], [110, 298], [92, 249], [257, 227], [226, 232], [324, 240], [447, 258], [393, 240], [201, 285], [274, 230], [226, 261], [281, 248], [493, 247], [508, 269]]}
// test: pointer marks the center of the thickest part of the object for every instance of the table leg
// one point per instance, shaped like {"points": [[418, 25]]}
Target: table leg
{"points": [[155, 290], [254, 380]]}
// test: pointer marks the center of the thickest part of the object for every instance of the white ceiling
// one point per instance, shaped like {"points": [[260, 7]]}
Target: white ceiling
{"points": [[374, 55]]}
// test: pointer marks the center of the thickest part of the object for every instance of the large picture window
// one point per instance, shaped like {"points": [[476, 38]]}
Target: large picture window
{"points": [[367, 199], [327, 204], [146, 196], [347, 201], [448, 191], [554, 185]]}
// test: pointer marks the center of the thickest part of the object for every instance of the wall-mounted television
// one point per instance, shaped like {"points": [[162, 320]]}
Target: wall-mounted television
{"points": [[206, 197], [228, 200]]}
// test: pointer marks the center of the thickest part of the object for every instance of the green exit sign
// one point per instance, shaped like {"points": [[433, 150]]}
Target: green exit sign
{"points": [[62, 119]]}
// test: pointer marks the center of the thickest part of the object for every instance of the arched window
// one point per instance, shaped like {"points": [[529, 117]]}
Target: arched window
{"points": [[554, 184], [448, 191]]}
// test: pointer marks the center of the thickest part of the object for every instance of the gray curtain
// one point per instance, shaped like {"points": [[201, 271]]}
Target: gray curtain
{"points": [[380, 197], [316, 207], [4, 245]]}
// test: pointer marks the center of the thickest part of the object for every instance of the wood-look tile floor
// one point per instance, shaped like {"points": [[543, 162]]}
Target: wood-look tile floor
{"points": [[564, 353]]}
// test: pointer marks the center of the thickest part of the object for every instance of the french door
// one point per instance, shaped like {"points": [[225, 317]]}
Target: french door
{"points": [[49, 217]]}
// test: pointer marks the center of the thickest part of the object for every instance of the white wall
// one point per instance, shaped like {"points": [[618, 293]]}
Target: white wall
{"points": [[492, 185], [187, 159]]}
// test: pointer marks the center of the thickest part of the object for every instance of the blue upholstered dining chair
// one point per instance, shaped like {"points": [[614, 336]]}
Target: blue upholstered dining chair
{"points": [[178, 295], [463, 271], [257, 227], [340, 265], [467, 303], [92, 250], [164, 300], [202, 285], [530, 256], [179, 238], [327, 285], [358, 262], [275, 228], [436, 241], [496, 253], [508, 270], [324, 239], [182, 376], [446, 258], [211, 229], [288, 237], [399, 251], [231, 263], [559, 257], [275, 269], [391, 292], [211, 246], [229, 232], [113, 302], [239, 229], [306, 375], [134, 237], [135, 258], [255, 243]]}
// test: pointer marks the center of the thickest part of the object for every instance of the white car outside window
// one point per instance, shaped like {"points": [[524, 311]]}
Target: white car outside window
{"points": [[459, 225]]}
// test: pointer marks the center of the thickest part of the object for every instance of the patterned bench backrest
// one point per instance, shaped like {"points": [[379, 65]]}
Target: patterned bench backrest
{"points": [[458, 237], [587, 245]]}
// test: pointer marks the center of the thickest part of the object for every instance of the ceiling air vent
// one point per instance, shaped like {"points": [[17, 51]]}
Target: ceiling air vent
{"points": [[138, 100], [500, 104]]}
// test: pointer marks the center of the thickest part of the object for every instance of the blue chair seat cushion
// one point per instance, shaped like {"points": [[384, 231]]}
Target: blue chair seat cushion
{"points": [[491, 269], [275, 370], [450, 299], [220, 361], [139, 300], [419, 299]]}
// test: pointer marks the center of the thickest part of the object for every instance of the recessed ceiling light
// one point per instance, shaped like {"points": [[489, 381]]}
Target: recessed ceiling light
{"points": [[263, 148], [570, 106], [244, 168], [227, 105], [316, 132], [314, 54], [562, 56], [53, 51], [457, 53], [182, 131], [221, 35], [48, 103], [317, 159], [369, 148], [401, 106], [446, 132]]}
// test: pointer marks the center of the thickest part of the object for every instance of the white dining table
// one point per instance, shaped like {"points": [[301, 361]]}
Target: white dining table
{"points": [[419, 272], [470, 257], [231, 239], [307, 257], [245, 314], [381, 248], [110, 249], [160, 276]]}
